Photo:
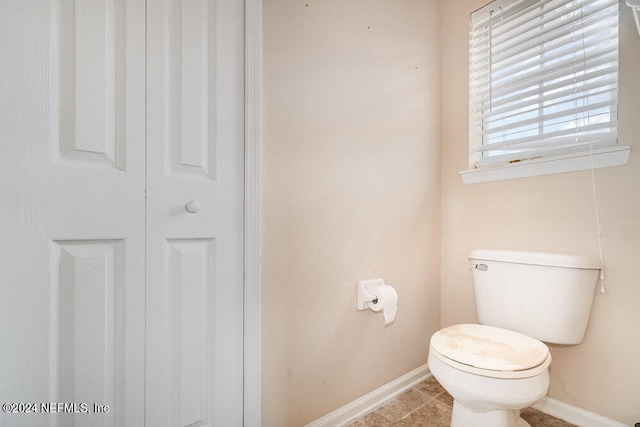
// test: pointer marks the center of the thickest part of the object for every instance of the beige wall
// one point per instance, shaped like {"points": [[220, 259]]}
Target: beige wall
{"points": [[553, 213], [351, 191], [353, 126]]}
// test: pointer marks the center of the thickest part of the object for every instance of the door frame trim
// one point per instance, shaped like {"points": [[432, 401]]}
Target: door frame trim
{"points": [[252, 214]]}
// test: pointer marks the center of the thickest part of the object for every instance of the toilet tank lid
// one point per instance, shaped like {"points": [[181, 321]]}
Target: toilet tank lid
{"points": [[490, 348], [535, 258]]}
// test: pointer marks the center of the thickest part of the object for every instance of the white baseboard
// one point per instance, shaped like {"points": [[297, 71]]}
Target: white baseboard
{"points": [[574, 415], [373, 400]]}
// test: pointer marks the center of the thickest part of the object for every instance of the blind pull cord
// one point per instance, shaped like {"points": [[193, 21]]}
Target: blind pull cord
{"points": [[599, 233]]}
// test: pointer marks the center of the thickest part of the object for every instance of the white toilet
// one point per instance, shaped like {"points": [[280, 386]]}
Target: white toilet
{"points": [[495, 369]]}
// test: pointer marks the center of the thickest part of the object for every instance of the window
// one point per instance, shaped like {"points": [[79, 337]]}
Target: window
{"points": [[543, 88]]}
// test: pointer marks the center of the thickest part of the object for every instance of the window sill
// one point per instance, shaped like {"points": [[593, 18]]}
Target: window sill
{"points": [[603, 158]]}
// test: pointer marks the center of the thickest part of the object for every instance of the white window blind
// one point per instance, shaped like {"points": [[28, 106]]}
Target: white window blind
{"points": [[543, 79]]}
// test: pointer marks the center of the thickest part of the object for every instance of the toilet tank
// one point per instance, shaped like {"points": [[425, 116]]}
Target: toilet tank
{"points": [[544, 295]]}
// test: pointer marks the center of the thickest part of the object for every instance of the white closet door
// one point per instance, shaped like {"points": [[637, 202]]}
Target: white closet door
{"points": [[81, 154], [72, 209], [195, 125]]}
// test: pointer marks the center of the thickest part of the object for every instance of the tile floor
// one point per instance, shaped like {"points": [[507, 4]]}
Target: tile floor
{"points": [[429, 405]]}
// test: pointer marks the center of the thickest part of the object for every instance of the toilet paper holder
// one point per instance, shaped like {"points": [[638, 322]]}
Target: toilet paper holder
{"points": [[364, 296], [368, 293]]}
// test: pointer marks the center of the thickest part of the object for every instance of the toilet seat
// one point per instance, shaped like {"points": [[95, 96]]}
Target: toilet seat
{"points": [[490, 351]]}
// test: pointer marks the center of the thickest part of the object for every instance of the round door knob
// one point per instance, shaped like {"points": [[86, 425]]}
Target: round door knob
{"points": [[193, 206]]}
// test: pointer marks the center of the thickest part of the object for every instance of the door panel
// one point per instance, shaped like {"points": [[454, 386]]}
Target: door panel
{"points": [[194, 258], [89, 62], [87, 328], [191, 276], [96, 209], [73, 210]]}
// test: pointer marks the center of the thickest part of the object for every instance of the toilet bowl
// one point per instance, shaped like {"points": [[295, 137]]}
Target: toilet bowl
{"points": [[498, 367], [491, 373]]}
